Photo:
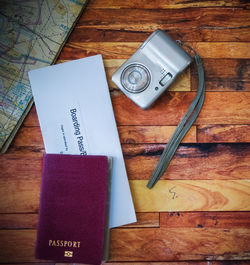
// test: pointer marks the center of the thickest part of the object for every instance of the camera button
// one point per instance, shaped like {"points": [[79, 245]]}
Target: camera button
{"points": [[165, 79]]}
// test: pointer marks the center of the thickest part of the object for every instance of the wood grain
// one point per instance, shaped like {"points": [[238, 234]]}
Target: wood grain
{"points": [[209, 161], [223, 133], [139, 33], [192, 24], [216, 109], [32, 118], [226, 220], [14, 167], [176, 244], [196, 161], [19, 195], [29, 136], [17, 246], [22, 195], [158, 4], [223, 75], [123, 50], [18, 221], [221, 18], [152, 134], [188, 195], [143, 244]]}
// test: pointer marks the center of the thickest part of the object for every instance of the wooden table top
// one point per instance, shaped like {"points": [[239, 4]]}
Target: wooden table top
{"points": [[199, 211]]}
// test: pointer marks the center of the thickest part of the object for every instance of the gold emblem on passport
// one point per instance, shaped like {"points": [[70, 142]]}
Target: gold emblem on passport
{"points": [[68, 254]]}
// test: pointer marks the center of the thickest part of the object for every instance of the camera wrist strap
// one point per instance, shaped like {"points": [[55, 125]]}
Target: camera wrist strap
{"points": [[184, 125]]}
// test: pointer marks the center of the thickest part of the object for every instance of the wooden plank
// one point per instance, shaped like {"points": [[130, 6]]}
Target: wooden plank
{"points": [[217, 50], [220, 84], [19, 195], [123, 50], [213, 18], [25, 151], [176, 244], [197, 24], [223, 133], [101, 33], [17, 246], [224, 75], [143, 244], [18, 221], [29, 220], [32, 118], [22, 195], [158, 4], [191, 195], [152, 134], [197, 161], [226, 68], [171, 106], [224, 220], [20, 166], [29, 136], [205, 134]]}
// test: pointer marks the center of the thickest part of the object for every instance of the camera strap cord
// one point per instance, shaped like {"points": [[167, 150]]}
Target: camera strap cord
{"points": [[184, 125]]}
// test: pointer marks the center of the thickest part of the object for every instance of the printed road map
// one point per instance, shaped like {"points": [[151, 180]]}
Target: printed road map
{"points": [[31, 35]]}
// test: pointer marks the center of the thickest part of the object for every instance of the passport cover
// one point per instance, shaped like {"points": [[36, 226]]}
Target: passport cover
{"points": [[73, 211]]}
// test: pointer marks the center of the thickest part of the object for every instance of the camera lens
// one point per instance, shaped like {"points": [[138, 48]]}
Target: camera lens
{"points": [[135, 78]]}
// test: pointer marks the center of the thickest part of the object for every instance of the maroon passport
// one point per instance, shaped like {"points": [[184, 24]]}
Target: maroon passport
{"points": [[73, 213]]}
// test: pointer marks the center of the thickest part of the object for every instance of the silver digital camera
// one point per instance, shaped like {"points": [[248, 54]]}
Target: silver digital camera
{"points": [[151, 69]]}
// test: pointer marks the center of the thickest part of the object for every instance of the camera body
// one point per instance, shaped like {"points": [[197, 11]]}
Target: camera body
{"points": [[151, 69]]}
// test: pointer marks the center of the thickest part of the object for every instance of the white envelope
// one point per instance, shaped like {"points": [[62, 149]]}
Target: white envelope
{"points": [[76, 117]]}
